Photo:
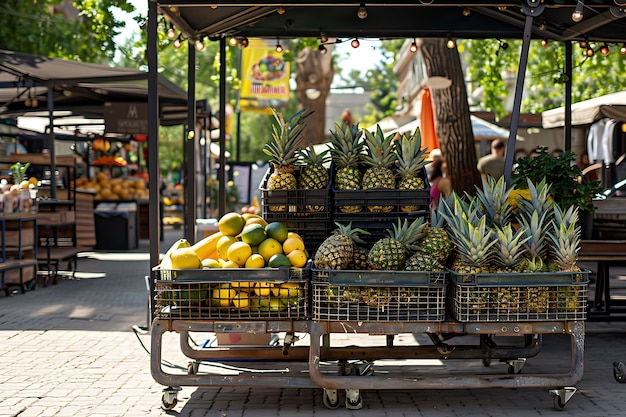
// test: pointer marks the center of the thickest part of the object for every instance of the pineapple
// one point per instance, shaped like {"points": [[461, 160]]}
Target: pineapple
{"points": [[282, 151], [471, 237], [390, 253], [436, 243], [510, 250], [565, 239], [314, 175], [359, 258], [410, 163], [379, 159], [347, 155], [337, 250], [18, 172], [494, 200], [423, 262]]}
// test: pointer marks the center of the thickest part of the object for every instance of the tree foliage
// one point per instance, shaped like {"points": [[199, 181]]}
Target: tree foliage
{"points": [[53, 28]]}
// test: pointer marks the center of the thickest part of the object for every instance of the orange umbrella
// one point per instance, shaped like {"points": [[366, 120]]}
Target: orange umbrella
{"points": [[427, 122]]}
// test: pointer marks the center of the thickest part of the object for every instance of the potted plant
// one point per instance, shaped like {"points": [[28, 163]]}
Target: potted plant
{"points": [[567, 184]]}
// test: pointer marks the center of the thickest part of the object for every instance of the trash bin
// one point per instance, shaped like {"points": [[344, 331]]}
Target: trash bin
{"points": [[116, 229]]}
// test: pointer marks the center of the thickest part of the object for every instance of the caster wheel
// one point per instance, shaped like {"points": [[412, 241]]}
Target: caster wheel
{"points": [[558, 403], [166, 405], [353, 399], [330, 398], [192, 368], [619, 372]]}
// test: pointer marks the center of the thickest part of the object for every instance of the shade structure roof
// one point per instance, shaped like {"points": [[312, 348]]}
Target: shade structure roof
{"points": [[585, 112], [603, 20], [79, 88]]}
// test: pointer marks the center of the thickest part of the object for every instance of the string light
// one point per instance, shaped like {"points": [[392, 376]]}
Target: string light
{"points": [[244, 42], [544, 42], [604, 50], [355, 43], [589, 51], [466, 12], [178, 42], [323, 37], [577, 16], [451, 44], [622, 50], [279, 48], [281, 10], [171, 32], [362, 12], [322, 49], [199, 45], [413, 47], [233, 41]]}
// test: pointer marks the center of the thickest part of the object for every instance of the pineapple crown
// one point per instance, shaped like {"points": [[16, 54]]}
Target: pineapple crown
{"points": [[380, 149], [347, 148], [351, 232], [410, 154], [511, 251], [494, 202], [566, 235], [540, 199], [18, 172], [286, 137], [309, 156], [408, 233], [537, 228]]}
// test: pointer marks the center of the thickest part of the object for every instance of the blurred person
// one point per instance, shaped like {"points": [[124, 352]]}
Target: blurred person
{"points": [[439, 183], [346, 117], [493, 164], [435, 155]]}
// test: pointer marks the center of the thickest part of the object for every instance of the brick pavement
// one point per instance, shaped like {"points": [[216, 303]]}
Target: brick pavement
{"points": [[69, 350]]}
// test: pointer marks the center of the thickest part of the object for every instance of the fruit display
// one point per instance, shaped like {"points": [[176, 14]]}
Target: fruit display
{"points": [[114, 189], [20, 195], [109, 160]]}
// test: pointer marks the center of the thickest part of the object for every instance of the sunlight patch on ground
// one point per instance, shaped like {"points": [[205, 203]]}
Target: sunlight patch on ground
{"points": [[116, 256]]}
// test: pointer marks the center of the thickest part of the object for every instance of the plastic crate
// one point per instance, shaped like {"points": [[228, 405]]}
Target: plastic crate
{"points": [[287, 205], [232, 294], [377, 225], [395, 203], [312, 231], [380, 296], [544, 296]]}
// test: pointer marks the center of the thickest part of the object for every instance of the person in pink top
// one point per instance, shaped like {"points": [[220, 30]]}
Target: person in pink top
{"points": [[439, 183]]}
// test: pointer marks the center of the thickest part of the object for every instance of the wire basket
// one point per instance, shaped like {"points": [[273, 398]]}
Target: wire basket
{"points": [[545, 296], [381, 296], [232, 294]]}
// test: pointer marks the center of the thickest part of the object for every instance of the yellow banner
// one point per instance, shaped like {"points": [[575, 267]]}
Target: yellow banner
{"points": [[264, 77]]}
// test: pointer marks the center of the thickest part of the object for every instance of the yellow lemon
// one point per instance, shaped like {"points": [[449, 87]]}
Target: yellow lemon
{"points": [[230, 264], [277, 230], [253, 234], [211, 263], [248, 216], [262, 289], [222, 296], [223, 244], [256, 220], [231, 224], [294, 234], [297, 258], [255, 261], [291, 244], [242, 285], [241, 300], [185, 258], [239, 252], [270, 247]]}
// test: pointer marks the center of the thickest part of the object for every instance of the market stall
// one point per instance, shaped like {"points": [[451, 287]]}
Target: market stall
{"points": [[328, 302]]}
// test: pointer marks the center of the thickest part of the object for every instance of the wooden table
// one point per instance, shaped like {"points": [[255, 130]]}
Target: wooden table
{"points": [[605, 253]]}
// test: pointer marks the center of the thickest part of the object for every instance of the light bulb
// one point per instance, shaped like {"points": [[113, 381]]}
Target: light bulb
{"points": [[355, 43], [322, 49], [577, 16], [589, 52], [622, 50], [451, 44], [281, 10], [171, 33], [279, 48], [323, 38], [243, 42], [362, 12], [199, 46], [233, 41], [605, 50], [413, 47], [544, 42], [178, 43]]}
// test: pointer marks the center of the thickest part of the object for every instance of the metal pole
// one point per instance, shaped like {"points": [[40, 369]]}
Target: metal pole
{"points": [[190, 180], [51, 148], [154, 212], [567, 127], [221, 175], [533, 8]]}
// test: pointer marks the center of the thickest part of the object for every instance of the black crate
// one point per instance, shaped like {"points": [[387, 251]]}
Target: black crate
{"points": [[286, 205], [232, 294], [377, 226], [380, 296], [355, 205], [544, 296], [312, 231]]}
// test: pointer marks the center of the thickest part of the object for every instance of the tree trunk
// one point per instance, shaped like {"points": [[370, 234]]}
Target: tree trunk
{"points": [[452, 115], [313, 79]]}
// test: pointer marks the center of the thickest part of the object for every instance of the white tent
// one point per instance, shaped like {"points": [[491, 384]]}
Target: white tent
{"points": [[586, 112]]}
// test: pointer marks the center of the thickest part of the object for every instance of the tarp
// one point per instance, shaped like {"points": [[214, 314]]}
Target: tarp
{"points": [[586, 112]]}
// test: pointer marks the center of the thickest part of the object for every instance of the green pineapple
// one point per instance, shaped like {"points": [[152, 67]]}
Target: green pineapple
{"points": [[18, 172], [494, 201], [346, 153], [314, 175], [337, 250], [390, 253], [410, 163], [379, 158], [510, 253], [436, 243], [287, 137], [423, 262]]}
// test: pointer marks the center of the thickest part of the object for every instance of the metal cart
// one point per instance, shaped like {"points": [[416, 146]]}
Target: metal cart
{"points": [[383, 305]]}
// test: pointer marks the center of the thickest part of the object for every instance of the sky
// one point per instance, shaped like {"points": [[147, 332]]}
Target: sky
{"points": [[363, 58]]}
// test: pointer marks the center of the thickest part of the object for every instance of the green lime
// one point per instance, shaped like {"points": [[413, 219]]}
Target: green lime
{"points": [[278, 260], [277, 230], [253, 234]]}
